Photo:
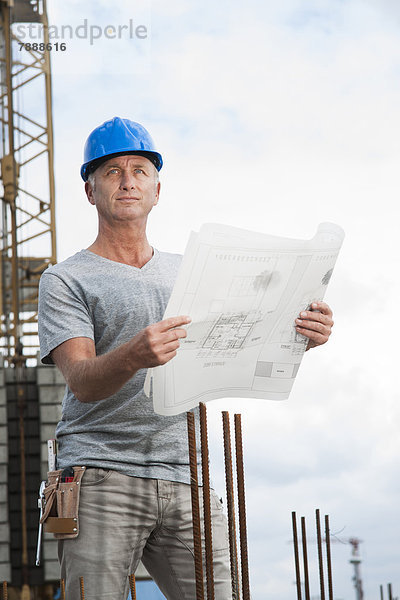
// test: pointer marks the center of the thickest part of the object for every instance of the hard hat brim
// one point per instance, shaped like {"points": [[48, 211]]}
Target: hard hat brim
{"points": [[92, 165]]}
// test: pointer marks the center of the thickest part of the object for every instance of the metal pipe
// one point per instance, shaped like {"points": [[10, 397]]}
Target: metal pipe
{"points": [[194, 488], [230, 506], [320, 560], [244, 558], [328, 557], [132, 586], [296, 555], [206, 502], [305, 559]]}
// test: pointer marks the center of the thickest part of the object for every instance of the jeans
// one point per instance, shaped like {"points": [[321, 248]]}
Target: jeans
{"points": [[125, 519]]}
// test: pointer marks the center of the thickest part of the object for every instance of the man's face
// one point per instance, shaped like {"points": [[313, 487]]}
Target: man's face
{"points": [[124, 188]]}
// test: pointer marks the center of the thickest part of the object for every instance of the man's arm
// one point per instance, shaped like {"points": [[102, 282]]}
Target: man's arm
{"points": [[316, 324], [92, 378]]}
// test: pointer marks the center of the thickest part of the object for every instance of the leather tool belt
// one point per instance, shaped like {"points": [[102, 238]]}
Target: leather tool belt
{"points": [[61, 504]]}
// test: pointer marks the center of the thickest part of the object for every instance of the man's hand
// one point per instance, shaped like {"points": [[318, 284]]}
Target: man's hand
{"points": [[316, 324], [92, 378], [158, 343]]}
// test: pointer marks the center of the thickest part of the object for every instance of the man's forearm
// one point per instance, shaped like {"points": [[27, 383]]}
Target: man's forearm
{"points": [[92, 378], [96, 378]]}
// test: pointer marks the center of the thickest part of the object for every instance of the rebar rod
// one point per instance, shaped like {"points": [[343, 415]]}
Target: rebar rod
{"points": [[82, 588], [305, 559], [132, 586], [62, 588], [328, 557], [244, 557], [194, 488], [230, 506], [390, 591], [296, 555], [381, 590], [320, 559], [5, 590], [206, 502]]}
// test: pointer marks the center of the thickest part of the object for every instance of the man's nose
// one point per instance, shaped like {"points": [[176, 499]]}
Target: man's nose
{"points": [[127, 181]]}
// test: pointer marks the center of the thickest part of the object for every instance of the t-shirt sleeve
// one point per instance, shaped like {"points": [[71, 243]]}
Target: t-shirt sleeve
{"points": [[62, 315]]}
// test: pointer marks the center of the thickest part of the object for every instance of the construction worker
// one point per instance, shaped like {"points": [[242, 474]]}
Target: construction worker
{"points": [[100, 322]]}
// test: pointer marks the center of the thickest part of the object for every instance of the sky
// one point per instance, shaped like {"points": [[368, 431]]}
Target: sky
{"points": [[273, 117]]}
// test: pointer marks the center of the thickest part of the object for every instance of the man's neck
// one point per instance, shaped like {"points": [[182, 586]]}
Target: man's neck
{"points": [[130, 248]]}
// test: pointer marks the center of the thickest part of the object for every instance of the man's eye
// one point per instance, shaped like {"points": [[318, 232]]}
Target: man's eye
{"points": [[139, 171], [112, 171]]}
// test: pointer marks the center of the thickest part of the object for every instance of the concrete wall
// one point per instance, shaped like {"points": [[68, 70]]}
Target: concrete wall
{"points": [[51, 385]]}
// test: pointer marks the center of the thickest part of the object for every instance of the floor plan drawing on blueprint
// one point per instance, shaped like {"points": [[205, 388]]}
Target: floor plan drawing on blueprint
{"points": [[228, 334], [243, 291]]}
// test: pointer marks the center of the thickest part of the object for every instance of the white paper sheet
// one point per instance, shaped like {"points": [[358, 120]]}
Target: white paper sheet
{"points": [[243, 291]]}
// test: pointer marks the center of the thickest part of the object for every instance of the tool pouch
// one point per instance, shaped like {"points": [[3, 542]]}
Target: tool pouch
{"points": [[60, 514]]}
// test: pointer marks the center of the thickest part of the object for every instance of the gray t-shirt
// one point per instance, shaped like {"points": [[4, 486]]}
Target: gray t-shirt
{"points": [[110, 302]]}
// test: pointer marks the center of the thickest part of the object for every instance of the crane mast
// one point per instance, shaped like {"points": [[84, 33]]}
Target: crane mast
{"points": [[355, 560], [28, 237]]}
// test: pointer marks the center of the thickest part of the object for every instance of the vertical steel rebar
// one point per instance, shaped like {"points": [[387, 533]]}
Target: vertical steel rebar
{"points": [[244, 558], [132, 586], [82, 588], [305, 559], [62, 588], [328, 557], [194, 488], [296, 555], [5, 590], [381, 591], [206, 502], [230, 506], [320, 560], [390, 591]]}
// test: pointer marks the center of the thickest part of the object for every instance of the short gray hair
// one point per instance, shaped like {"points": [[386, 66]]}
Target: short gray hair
{"points": [[91, 180]]}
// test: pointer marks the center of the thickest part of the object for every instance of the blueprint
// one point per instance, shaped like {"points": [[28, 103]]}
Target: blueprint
{"points": [[243, 291]]}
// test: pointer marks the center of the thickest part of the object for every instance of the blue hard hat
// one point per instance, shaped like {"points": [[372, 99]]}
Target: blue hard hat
{"points": [[115, 138]]}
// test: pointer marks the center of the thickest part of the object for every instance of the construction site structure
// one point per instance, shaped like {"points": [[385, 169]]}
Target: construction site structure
{"points": [[28, 246], [28, 235], [355, 560]]}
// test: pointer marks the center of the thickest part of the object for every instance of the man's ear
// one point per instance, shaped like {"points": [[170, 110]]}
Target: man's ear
{"points": [[157, 196], [89, 192]]}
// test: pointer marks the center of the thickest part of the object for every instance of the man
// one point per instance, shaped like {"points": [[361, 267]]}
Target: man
{"points": [[100, 322]]}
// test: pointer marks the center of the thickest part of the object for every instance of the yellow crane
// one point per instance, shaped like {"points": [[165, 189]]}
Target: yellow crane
{"points": [[28, 237]]}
